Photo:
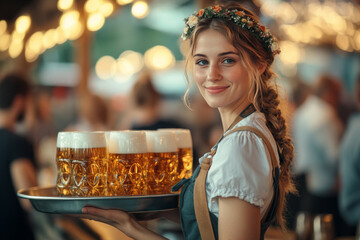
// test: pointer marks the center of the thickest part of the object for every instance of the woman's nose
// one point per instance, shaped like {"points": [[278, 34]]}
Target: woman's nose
{"points": [[214, 73]]}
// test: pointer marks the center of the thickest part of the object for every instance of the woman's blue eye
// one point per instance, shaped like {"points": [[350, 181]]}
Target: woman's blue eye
{"points": [[201, 62], [228, 60]]}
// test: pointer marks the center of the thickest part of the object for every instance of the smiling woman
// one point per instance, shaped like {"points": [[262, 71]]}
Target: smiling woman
{"points": [[230, 57]]}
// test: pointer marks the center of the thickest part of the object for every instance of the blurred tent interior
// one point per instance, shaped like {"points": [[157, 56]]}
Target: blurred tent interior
{"points": [[95, 40]]}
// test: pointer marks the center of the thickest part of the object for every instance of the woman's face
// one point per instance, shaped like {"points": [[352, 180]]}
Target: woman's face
{"points": [[222, 79]]}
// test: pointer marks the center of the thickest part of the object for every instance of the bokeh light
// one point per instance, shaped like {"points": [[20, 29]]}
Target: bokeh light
{"points": [[106, 9], [159, 58], [290, 53], [3, 26], [129, 63], [69, 19], [15, 48], [124, 2], [92, 6], [105, 67], [95, 22], [63, 5], [22, 23], [4, 41], [140, 9]]}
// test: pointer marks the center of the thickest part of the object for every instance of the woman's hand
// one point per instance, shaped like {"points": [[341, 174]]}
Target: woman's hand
{"points": [[120, 220]]}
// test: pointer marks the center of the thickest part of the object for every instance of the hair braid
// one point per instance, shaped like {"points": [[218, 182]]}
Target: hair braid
{"points": [[268, 103]]}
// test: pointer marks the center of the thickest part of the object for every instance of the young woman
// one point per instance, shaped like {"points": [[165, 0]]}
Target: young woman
{"points": [[247, 172]]}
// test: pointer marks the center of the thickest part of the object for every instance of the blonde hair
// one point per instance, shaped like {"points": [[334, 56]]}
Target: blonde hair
{"points": [[262, 94]]}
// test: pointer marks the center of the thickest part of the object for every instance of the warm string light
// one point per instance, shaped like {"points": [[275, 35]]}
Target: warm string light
{"points": [[70, 28], [327, 22], [315, 23], [140, 9]]}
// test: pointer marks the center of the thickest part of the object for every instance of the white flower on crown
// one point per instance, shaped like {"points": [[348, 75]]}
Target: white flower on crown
{"points": [[193, 20], [186, 29], [275, 47]]}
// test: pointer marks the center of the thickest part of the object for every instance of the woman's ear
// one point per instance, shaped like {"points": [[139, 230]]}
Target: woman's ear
{"points": [[262, 68]]}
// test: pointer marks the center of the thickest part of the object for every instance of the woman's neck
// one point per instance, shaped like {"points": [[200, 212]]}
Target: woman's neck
{"points": [[228, 116]]}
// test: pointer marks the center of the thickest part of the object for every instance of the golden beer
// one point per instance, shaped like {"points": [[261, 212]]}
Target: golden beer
{"points": [[185, 152], [63, 164], [163, 161], [185, 166], [89, 172], [162, 173], [89, 164], [128, 159], [63, 167], [128, 174]]}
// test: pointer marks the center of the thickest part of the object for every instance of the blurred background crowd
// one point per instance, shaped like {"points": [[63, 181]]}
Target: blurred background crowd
{"points": [[96, 65]]}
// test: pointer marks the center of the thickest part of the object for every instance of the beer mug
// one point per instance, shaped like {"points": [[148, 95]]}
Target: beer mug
{"points": [[63, 163], [89, 164], [323, 227], [304, 226], [163, 161], [128, 159], [185, 151]]}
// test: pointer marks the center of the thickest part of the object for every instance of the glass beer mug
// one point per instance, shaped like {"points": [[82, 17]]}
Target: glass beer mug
{"points": [[185, 151], [63, 163], [163, 161], [89, 164], [128, 159]]}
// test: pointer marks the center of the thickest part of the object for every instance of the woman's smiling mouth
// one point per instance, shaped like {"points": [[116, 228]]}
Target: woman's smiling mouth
{"points": [[216, 89]]}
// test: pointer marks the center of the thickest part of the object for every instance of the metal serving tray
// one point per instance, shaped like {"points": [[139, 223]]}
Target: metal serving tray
{"points": [[46, 200]]}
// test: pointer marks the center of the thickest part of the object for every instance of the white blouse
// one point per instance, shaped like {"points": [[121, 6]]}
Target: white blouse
{"points": [[242, 167]]}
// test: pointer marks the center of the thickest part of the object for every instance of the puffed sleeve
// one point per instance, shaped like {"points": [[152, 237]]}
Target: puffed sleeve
{"points": [[241, 168]]}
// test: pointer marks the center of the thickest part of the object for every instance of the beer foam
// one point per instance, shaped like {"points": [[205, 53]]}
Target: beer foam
{"points": [[88, 140], [161, 141], [182, 136], [127, 142], [64, 140]]}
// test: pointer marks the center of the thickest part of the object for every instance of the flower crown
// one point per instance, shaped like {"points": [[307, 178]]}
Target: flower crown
{"points": [[239, 18]]}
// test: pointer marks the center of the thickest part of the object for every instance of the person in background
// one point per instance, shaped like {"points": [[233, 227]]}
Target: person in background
{"points": [[43, 126], [230, 55], [93, 114], [17, 169], [43, 135], [350, 167], [145, 104], [294, 201], [317, 133]]}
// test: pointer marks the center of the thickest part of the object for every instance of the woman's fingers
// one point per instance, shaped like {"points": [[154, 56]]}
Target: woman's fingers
{"points": [[113, 217], [120, 220]]}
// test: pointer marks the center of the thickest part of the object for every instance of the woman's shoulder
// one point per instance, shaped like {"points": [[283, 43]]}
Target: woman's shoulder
{"points": [[249, 141], [256, 120]]}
